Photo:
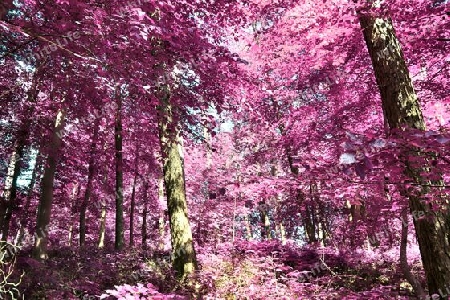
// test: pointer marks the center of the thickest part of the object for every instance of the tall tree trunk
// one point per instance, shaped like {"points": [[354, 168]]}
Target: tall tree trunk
{"points": [[102, 234], [8, 199], [279, 227], [307, 219], [73, 209], [265, 221], [208, 144], [46, 199], [401, 108], [9, 194], [25, 211], [404, 266], [102, 229], [162, 225], [282, 233], [310, 224], [183, 252], [133, 195], [248, 228], [90, 179], [319, 214], [132, 209], [144, 216], [119, 237]]}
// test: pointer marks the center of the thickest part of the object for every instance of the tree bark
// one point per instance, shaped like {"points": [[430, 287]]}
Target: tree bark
{"points": [[144, 216], [102, 234], [308, 221], [119, 236], [46, 199], [282, 233], [310, 224], [25, 211], [162, 225], [8, 199], [265, 221], [132, 209], [248, 228], [90, 179], [73, 209], [401, 108], [102, 230], [183, 253], [406, 269]]}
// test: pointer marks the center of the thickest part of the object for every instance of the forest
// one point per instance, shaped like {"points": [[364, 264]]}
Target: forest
{"points": [[224, 149]]}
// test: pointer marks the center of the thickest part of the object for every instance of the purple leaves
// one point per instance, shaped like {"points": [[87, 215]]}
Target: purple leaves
{"points": [[138, 292]]}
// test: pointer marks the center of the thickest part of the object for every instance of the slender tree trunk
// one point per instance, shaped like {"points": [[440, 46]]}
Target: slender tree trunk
{"points": [[265, 221], [357, 212], [133, 195], [25, 211], [279, 227], [420, 293], [9, 195], [282, 233], [8, 199], [307, 218], [144, 217], [309, 223], [73, 209], [267, 226], [321, 233], [70, 238], [162, 224], [144, 227], [319, 214], [132, 209], [90, 179], [102, 234], [208, 142], [119, 236], [102, 231], [313, 217], [46, 199], [401, 108], [183, 252], [248, 227], [233, 222]]}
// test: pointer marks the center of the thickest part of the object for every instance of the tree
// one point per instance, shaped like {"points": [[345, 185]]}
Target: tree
{"points": [[89, 185], [118, 134], [8, 199], [133, 196], [144, 231], [402, 109], [46, 198], [183, 252]]}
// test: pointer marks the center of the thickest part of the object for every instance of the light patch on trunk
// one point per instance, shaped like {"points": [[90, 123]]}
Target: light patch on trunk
{"points": [[10, 175], [59, 118]]}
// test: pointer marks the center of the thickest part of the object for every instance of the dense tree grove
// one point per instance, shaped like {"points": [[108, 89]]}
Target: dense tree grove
{"points": [[224, 149]]}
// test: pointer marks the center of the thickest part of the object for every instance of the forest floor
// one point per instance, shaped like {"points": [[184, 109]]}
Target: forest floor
{"points": [[246, 271]]}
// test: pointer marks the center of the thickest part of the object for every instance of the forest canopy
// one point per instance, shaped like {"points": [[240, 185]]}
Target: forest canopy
{"points": [[224, 149]]}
